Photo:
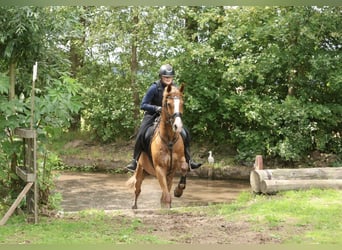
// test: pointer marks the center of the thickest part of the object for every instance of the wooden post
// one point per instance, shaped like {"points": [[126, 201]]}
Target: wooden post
{"points": [[28, 172], [254, 180], [16, 203], [258, 164]]}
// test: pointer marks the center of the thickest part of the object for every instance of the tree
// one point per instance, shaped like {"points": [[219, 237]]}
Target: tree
{"points": [[128, 47], [20, 39], [24, 39], [287, 107]]}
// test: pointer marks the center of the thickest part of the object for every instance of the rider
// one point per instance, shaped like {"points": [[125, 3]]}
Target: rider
{"points": [[151, 104]]}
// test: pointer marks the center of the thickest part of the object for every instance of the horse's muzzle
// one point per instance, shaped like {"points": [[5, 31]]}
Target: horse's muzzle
{"points": [[177, 126]]}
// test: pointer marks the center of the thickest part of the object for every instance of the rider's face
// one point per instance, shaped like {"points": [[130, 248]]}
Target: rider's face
{"points": [[167, 79]]}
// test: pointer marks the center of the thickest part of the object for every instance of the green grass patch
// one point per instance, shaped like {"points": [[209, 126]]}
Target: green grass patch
{"points": [[315, 215], [86, 227]]}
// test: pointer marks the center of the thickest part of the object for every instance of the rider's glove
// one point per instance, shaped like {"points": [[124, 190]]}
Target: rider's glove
{"points": [[158, 109]]}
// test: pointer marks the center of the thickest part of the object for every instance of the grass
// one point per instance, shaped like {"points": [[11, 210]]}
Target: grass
{"points": [[315, 215], [86, 227], [304, 217]]}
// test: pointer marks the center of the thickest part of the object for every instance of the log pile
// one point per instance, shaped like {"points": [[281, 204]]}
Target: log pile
{"points": [[270, 181]]}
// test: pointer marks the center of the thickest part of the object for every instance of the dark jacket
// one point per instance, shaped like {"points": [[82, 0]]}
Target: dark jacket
{"points": [[153, 98]]}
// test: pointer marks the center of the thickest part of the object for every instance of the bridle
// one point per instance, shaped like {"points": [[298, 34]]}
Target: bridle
{"points": [[170, 118]]}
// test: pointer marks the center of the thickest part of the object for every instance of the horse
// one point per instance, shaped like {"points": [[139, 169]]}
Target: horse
{"points": [[167, 155]]}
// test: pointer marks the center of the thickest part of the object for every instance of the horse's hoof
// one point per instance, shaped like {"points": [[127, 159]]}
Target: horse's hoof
{"points": [[135, 207], [178, 192]]}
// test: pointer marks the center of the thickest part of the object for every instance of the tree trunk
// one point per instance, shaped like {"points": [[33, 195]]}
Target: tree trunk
{"points": [[273, 186], [134, 69], [11, 96], [76, 56], [12, 69], [258, 176]]}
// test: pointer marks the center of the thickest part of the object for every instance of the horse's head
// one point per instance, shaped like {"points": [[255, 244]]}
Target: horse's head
{"points": [[173, 106]]}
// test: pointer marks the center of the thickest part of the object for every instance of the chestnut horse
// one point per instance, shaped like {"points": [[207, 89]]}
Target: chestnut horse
{"points": [[167, 150]]}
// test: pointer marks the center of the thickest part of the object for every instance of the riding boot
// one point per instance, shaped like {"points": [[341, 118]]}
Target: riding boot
{"points": [[186, 138], [192, 165], [133, 165]]}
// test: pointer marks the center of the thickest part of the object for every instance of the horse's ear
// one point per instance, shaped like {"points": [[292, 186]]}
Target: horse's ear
{"points": [[181, 89], [169, 87]]}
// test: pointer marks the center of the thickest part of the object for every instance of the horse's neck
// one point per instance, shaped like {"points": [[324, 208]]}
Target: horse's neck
{"points": [[165, 129]]}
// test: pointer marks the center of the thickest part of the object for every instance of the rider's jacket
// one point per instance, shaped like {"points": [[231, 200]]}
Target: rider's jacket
{"points": [[153, 98]]}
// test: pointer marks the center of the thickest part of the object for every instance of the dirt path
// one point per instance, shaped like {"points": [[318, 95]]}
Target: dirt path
{"points": [[196, 228]]}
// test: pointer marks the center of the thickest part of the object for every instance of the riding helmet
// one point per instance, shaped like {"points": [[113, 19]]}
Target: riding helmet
{"points": [[166, 70]]}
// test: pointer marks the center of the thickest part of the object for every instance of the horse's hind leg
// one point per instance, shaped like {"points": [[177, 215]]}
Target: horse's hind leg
{"points": [[180, 187], [139, 176]]}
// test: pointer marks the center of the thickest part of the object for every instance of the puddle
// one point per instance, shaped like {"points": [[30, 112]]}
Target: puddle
{"points": [[82, 191]]}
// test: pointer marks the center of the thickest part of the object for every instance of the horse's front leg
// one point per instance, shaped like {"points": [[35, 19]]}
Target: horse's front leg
{"points": [[178, 192], [165, 200]]}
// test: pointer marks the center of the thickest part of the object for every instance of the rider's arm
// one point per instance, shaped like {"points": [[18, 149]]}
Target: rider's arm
{"points": [[147, 100]]}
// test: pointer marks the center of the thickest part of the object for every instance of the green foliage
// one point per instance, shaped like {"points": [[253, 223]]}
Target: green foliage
{"points": [[288, 130], [61, 99], [247, 72], [266, 80], [109, 108], [4, 84], [47, 162], [20, 33], [268, 87], [52, 109]]}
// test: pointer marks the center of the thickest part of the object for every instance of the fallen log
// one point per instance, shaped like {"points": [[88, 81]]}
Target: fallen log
{"points": [[257, 176], [273, 186]]}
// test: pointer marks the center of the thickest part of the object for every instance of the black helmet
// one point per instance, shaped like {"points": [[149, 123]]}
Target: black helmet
{"points": [[166, 70]]}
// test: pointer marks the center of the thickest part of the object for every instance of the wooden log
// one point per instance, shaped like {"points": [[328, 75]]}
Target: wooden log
{"points": [[257, 176], [273, 186]]}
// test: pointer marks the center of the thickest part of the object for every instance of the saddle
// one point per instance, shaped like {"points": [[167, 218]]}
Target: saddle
{"points": [[147, 138]]}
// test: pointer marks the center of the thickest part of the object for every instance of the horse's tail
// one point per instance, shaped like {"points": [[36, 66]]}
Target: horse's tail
{"points": [[130, 183]]}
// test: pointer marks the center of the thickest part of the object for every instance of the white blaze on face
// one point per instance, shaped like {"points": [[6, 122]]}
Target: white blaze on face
{"points": [[178, 124]]}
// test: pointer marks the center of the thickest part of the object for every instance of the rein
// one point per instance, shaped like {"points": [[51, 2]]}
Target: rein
{"points": [[169, 146], [170, 119]]}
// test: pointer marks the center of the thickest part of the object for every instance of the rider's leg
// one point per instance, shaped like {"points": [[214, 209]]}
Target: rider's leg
{"points": [[138, 148], [186, 138]]}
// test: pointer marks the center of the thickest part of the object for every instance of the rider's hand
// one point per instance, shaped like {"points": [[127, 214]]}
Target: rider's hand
{"points": [[158, 109]]}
